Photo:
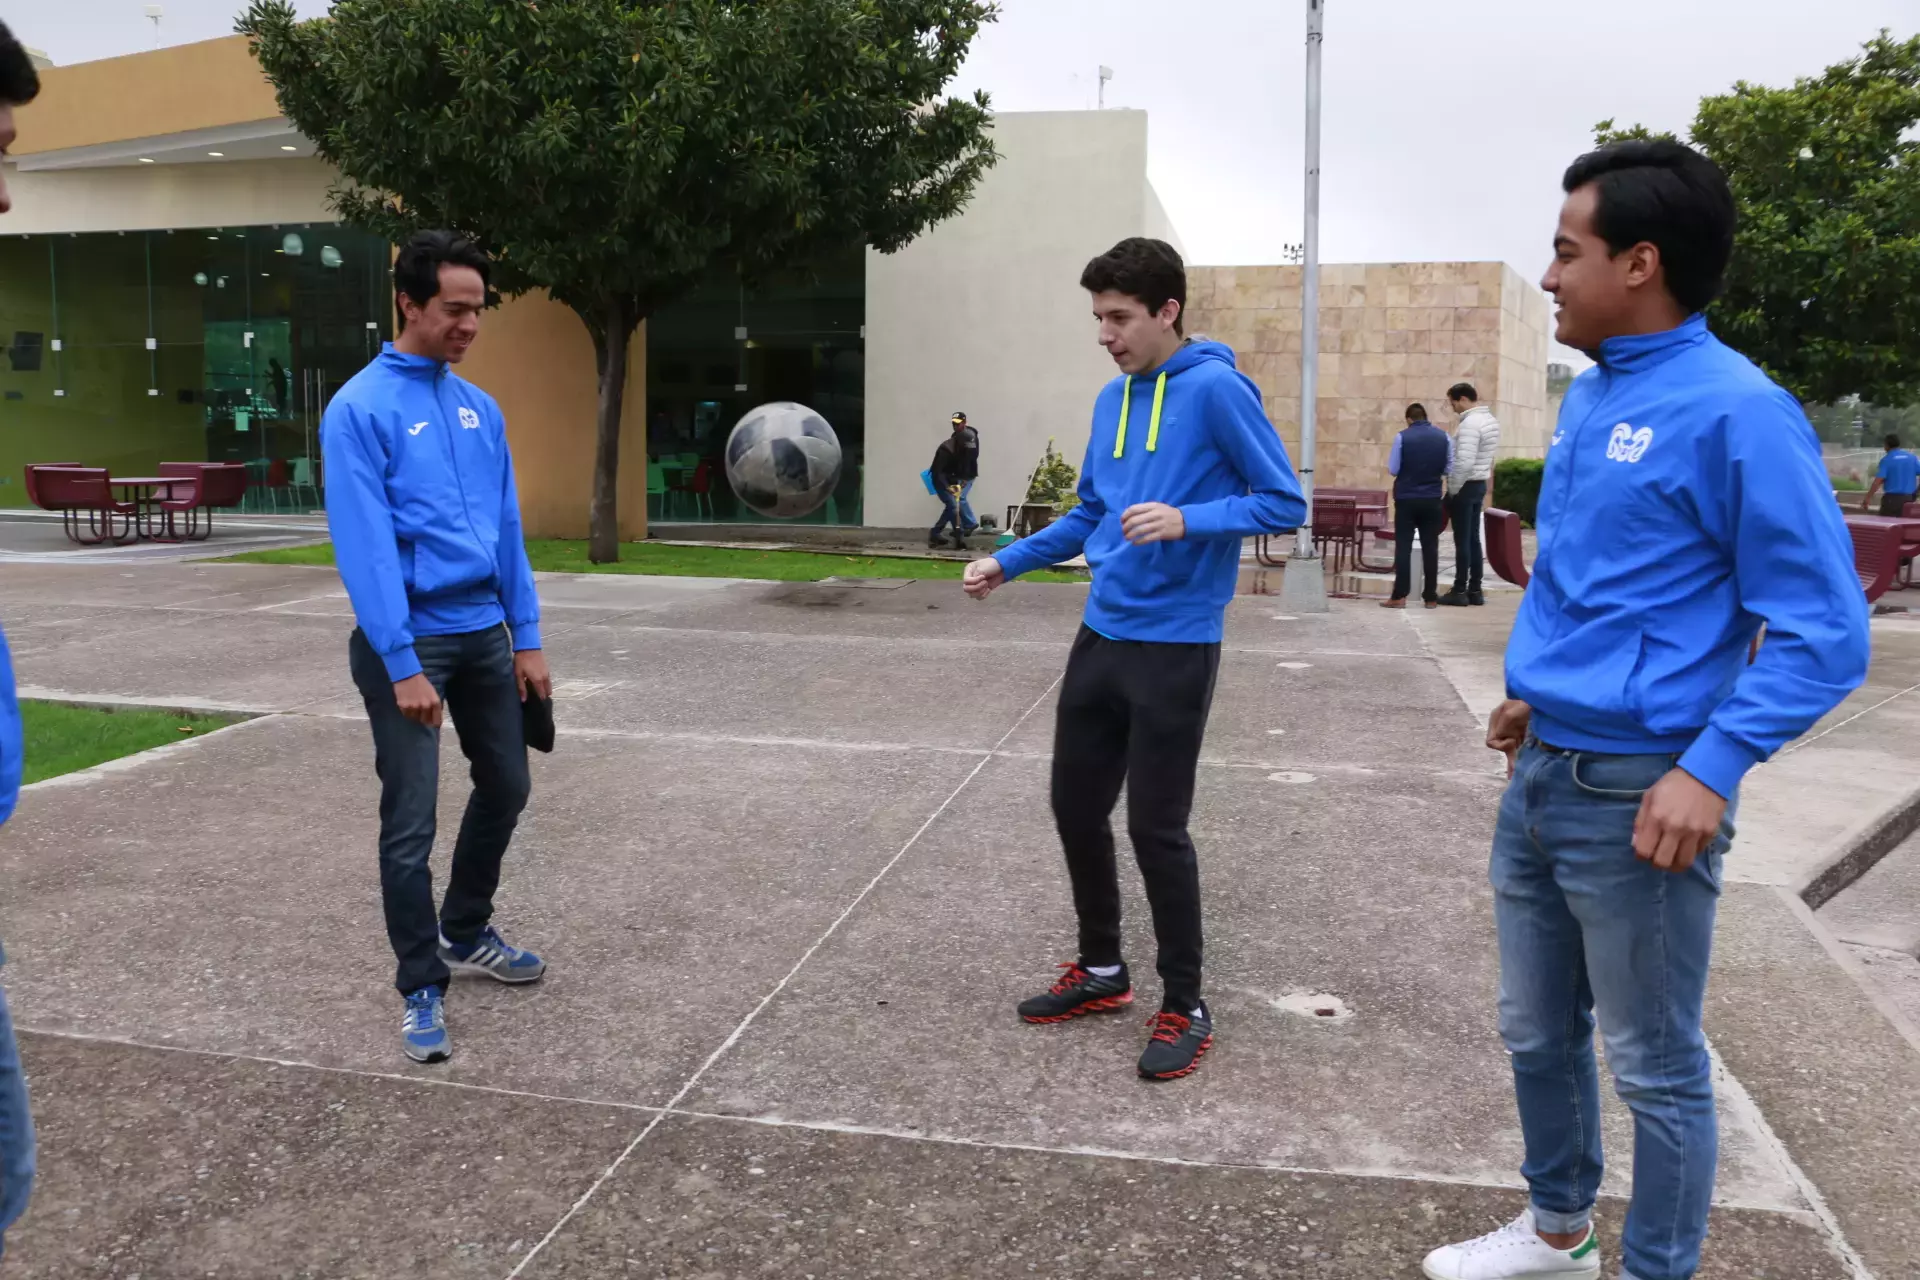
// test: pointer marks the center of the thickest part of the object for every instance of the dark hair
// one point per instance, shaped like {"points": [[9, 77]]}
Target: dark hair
{"points": [[1659, 192], [1150, 270], [19, 82], [1416, 413], [1893, 441], [1463, 391], [416, 271]]}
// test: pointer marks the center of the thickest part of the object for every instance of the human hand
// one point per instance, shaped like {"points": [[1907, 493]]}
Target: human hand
{"points": [[1152, 522], [530, 673], [1507, 729], [1678, 818], [983, 577], [419, 700]]}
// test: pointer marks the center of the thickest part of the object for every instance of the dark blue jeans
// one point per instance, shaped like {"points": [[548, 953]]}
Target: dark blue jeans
{"points": [[16, 1129], [1586, 927], [1469, 556], [474, 674]]}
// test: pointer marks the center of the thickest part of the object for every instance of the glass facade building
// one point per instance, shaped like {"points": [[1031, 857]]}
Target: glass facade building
{"points": [[127, 349]]}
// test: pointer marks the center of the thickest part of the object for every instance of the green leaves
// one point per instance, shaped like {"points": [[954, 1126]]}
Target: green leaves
{"points": [[619, 147], [1824, 289]]}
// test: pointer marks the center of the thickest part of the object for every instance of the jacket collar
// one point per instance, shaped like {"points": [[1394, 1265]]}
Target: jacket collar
{"points": [[1639, 352], [409, 366]]}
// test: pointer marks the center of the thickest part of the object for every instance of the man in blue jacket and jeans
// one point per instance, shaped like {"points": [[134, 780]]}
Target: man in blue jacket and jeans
{"points": [[1683, 506], [1181, 468], [426, 531], [19, 85]]}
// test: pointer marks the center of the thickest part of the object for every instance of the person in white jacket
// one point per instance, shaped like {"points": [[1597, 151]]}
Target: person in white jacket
{"points": [[1474, 441]]}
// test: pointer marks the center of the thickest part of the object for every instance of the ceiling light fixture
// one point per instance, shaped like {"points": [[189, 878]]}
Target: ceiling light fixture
{"points": [[217, 155], [145, 160], [289, 148]]}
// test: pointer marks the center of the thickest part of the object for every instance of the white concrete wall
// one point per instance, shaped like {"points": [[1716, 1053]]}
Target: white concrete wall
{"points": [[985, 313], [154, 197]]}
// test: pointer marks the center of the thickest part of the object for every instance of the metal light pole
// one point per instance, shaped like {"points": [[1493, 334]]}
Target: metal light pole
{"points": [[1306, 592]]}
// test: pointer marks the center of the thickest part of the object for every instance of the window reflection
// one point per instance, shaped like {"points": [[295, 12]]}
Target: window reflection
{"points": [[223, 344]]}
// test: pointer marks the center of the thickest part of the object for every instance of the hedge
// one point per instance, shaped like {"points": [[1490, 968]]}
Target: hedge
{"points": [[1516, 485]]}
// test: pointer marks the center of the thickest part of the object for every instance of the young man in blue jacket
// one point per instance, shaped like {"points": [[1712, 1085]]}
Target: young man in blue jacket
{"points": [[426, 531], [19, 85], [1683, 506], [1182, 467]]}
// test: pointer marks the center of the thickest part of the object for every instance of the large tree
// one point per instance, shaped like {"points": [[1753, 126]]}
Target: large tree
{"points": [[612, 151], [1824, 290]]}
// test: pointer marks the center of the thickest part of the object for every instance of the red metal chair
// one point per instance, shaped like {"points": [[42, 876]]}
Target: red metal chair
{"points": [[279, 481], [73, 490], [1876, 557], [1505, 555], [216, 484], [33, 487]]}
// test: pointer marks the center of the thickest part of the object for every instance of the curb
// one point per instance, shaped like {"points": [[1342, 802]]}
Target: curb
{"points": [[1861, 851]]}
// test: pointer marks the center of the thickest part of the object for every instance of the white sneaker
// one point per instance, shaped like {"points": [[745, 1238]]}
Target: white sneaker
{"points": [[1514, 1252]]}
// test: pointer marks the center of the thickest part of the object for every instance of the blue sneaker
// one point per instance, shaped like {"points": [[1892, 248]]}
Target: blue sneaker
{"points": [[424, 1029], [492, 955]]}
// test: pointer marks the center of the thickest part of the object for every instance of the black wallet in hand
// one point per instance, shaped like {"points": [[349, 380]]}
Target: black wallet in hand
{"points": [[536, 721]]}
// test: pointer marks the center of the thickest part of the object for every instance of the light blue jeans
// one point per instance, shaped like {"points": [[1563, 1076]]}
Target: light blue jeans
{"points": [[16, 1128], [1586, 927]]}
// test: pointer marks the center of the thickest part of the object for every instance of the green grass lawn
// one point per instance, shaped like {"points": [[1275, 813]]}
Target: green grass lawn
{"points": [[62, 737], [556, 555]]}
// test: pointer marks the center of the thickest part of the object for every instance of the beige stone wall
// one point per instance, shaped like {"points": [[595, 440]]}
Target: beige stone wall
{"points": [[1390, 334]]}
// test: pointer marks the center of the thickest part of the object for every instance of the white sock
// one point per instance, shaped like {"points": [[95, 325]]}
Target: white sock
{"points": [[1104, 970]]}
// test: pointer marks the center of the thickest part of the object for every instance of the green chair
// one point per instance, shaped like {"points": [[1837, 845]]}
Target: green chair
{"points": [[656, 487]]}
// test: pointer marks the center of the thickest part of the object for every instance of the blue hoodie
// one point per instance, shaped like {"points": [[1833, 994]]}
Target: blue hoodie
{"points": [[1684, 504], [422, 507], [1194, 437]]}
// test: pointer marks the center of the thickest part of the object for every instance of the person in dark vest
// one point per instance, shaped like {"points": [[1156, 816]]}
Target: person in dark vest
{"points": [[1421, 460]]}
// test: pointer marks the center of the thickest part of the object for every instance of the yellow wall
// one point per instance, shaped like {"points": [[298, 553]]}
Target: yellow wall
{"points": [[535, 358], [208, 85]]}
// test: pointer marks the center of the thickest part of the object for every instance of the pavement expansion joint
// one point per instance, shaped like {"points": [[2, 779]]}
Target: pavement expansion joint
{"points": [[753, 1014]]}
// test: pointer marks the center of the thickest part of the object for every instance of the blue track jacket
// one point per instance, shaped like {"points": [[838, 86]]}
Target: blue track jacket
{"points": [[422, 507], [1684, 503], [1191, 434]]}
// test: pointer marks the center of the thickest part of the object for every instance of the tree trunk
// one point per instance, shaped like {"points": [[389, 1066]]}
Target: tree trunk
{"points": [[612, 337]]}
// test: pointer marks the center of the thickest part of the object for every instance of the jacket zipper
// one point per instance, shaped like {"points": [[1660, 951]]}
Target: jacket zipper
{"points": [[1566, 488], [453, 455]]}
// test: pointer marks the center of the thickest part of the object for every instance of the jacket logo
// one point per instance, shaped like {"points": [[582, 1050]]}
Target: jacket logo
{"points": [[469, 419], [1628, 445], [416, 428]]}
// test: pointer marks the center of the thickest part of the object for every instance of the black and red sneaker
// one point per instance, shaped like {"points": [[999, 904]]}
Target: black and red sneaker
{"points": [[1079, 992], [1177, 1044]]}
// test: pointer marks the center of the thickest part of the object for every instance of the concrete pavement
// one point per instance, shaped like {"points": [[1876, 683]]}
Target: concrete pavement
{"points": [[792, 864]]}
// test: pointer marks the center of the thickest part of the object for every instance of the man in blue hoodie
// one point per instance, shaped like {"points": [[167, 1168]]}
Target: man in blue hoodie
{"points": [[426, 531], [1181, 468], [1684, 505], [19, 85]]}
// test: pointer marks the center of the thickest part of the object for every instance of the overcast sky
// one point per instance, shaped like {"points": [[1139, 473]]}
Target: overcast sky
{"points": [[1447, 122]]}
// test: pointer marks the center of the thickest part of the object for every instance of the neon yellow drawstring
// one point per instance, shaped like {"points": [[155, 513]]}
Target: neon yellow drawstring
{"points": [[1153, 423]]}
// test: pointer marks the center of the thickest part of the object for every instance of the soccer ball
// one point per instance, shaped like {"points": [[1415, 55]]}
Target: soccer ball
{"points": [[783, 460]]}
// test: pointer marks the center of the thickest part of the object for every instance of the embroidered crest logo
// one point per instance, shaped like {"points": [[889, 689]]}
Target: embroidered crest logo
{"points": [[469, 419], [1628, 445]]}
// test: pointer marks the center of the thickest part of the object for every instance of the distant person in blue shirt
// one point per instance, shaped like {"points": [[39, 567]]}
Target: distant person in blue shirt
{"points": [[1899, 471], [1419, 462], [1182, 467], [426, 531], [1685, 506]]}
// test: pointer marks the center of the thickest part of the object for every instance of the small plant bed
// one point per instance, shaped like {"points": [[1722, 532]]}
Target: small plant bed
{"points": [[555, 555], [65, 737]]}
